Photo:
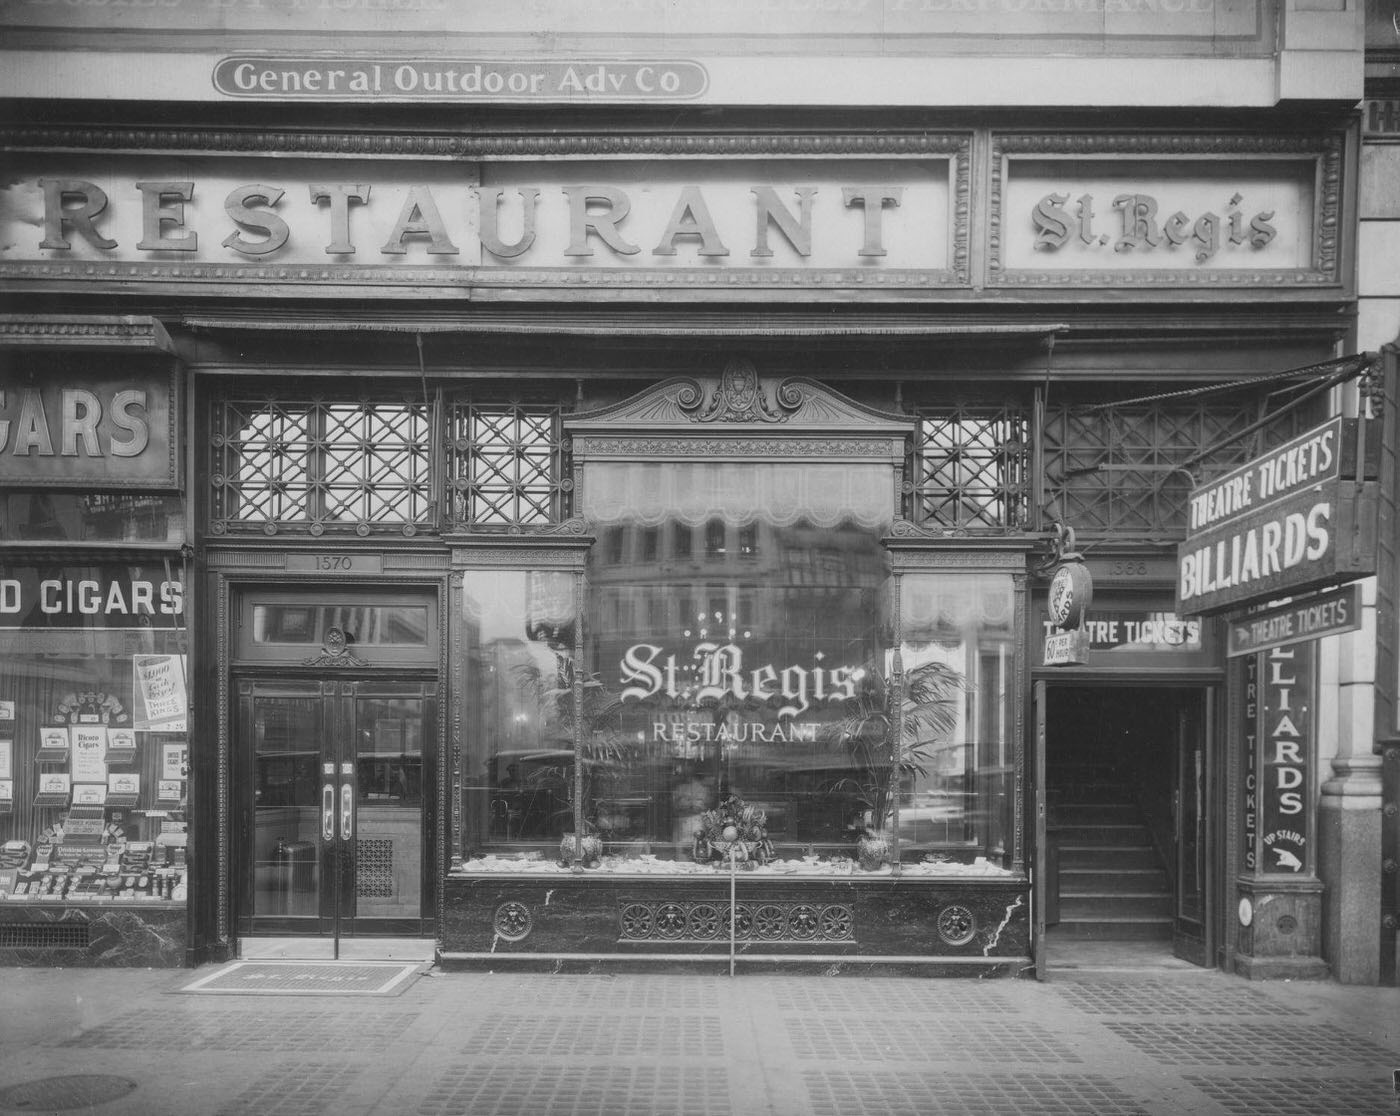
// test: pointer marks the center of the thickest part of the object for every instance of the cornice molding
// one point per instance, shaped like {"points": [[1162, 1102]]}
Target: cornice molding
{"points": [[423, 145], [85, 331]]}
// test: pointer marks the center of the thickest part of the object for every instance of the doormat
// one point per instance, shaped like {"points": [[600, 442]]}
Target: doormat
{"points": [[307, 978]]}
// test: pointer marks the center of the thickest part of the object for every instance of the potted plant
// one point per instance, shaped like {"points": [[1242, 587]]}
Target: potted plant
{"points": [[605, 752], [891, 729]]}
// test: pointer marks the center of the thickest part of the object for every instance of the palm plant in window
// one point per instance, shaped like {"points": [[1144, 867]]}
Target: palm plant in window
{"points": [[603, 754], [892, 729]]}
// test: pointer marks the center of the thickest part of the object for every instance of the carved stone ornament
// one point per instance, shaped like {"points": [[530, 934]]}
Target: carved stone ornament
{"points": [[740, 400], [739, 397], [335, 652]]}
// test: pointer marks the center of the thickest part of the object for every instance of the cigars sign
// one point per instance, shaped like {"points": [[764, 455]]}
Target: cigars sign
{"points": [[1299, 517], [88, 430]]}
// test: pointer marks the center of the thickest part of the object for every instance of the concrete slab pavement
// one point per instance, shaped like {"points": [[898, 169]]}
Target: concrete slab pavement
{"points": [[1094, 1041]]}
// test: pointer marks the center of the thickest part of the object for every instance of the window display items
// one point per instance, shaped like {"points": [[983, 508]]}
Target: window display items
{"points": [[173, 761], [160, 699], [91, 707], [121, 745], [53, 745], [89, 748]]}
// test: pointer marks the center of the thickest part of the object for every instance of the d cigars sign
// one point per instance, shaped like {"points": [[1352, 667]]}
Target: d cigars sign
{"points": [[1289, 520]]}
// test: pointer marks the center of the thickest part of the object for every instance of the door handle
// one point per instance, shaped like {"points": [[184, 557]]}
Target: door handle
{"points": [[347, 803], [328, 812]]}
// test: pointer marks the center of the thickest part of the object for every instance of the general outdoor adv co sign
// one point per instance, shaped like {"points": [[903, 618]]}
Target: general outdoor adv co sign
{"points": [[1298, 517]]}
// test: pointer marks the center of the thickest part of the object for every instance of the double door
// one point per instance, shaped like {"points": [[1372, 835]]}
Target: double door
{"points": [[335, 789]]}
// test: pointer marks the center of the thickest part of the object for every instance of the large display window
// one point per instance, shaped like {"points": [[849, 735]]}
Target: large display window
{"points": [[94, 759], [747, 658]]}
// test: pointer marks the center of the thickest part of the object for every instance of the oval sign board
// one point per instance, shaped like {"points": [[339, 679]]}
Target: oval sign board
{"points": [[1071, 593]]}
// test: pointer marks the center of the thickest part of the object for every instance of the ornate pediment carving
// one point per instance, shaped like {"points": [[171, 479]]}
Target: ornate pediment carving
{"points": [[739, 401]]}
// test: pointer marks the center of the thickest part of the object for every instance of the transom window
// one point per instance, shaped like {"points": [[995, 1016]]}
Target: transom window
{"points": [[507, 466], [373, 466], [321, 465], [969, 468]]}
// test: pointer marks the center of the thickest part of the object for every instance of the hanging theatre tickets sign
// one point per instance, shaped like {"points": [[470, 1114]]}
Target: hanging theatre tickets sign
{"points": [[1298, 517]]}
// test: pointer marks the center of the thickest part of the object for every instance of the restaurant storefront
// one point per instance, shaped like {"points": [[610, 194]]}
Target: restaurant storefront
{"points": [[627, 537]]}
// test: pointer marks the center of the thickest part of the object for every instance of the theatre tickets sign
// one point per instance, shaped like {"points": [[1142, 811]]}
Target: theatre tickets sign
{"points": [[1298, 517]]}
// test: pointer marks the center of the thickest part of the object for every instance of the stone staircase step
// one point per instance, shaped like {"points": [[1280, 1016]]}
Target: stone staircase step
{"points": [[1084, 880], [1109, 833], [1158, 929], [1094, 813], [1103, 907], [1108, 857]]}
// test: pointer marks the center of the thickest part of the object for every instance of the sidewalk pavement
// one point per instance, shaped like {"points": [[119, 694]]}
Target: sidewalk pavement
{"points": [[1087, 1043]]}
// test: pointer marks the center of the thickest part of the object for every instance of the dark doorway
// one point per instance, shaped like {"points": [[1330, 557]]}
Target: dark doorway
{"points": [[1126, 775]]}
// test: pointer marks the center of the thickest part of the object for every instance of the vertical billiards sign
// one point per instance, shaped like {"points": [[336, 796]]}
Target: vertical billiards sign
{"points": [[1285, 739]]}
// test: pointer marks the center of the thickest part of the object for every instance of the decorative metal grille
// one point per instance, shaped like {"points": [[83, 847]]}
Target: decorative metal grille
{"points": [[970, 467], [1122, 469], [319, 465], [507, 466], [374, 868], [43, 935], [684, 920]]}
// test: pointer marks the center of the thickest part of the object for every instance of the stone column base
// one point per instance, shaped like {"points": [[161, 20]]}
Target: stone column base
{"points": [[1279, 929], [1349, 863]]}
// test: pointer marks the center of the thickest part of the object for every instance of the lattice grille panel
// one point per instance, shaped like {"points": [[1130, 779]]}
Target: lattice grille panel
{"points": [[319, 465], [374, 868], [507, 466], [1121, 469], [970, 467], [39, 935]]}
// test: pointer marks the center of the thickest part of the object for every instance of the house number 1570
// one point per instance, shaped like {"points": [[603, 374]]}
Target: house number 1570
{"points": [[333, 562]]}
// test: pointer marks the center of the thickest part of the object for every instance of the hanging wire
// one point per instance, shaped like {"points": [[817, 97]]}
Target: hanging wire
{"points": [[1360, 361]]}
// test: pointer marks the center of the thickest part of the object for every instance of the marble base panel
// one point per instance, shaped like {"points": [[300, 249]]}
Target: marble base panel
{"points": [[93, 936], [1280, 931], [947, 927]]}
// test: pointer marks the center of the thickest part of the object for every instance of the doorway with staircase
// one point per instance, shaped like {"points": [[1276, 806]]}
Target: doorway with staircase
{"points": [[1127, 824]]}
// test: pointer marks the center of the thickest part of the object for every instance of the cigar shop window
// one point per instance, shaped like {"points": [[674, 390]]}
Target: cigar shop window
{"points": [[94, 746]]}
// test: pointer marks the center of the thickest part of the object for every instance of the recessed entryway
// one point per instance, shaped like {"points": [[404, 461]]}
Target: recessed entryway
{"points": [[1125, 791]]}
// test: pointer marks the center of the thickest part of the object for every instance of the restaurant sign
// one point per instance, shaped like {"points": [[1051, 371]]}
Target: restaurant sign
{"points": [[420, 225], [1085, 214], [1295, 518], [92, 431], [672, 214]]}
